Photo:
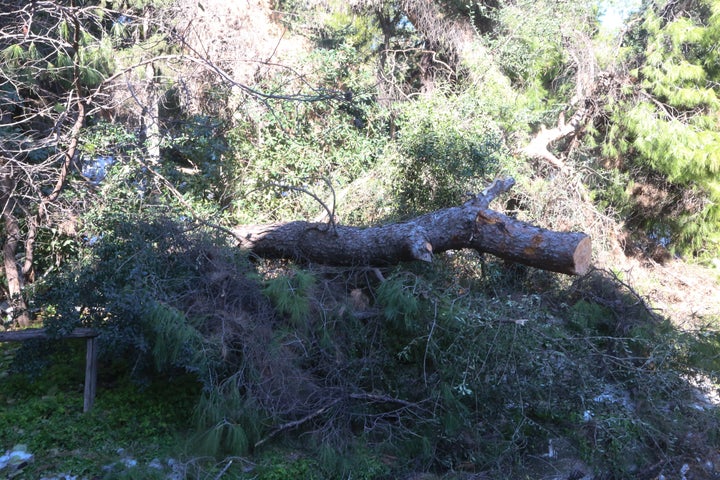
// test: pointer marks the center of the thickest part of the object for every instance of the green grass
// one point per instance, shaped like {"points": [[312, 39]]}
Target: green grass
{"points": [[43, 411]]}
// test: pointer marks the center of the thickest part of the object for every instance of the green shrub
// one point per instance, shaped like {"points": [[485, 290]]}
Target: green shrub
{"points": [[447, 149]]}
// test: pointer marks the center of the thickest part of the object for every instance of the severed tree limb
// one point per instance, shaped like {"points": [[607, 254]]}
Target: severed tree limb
{"points": [[593, 88], [472, 225], [539, 146]]}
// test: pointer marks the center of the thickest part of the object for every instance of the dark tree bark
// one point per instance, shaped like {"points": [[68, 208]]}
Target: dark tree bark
{"points": [[13, 272], [471, 225]]}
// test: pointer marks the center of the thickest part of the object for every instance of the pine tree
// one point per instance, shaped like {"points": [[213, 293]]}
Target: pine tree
{"points": [[668, 121]]}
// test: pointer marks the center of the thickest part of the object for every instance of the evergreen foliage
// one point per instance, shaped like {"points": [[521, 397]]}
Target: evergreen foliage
{"points": [[282, 144], [175, 341], [290, 294], [668, 124]]}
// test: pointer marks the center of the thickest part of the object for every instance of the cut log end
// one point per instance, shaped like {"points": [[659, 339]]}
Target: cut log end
{"points": [[582, 257]]}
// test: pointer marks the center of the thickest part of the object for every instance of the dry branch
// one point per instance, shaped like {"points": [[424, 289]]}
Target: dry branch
{"points": [[368, 397], [539, 146], [472, 225], [592, 89]]}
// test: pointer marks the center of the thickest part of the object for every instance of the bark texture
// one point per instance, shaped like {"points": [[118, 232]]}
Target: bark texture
{"points": [[471, 225], [13, 272]]}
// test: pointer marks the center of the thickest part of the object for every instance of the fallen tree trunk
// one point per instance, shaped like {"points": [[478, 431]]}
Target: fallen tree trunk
{"points": [[471, 225]]}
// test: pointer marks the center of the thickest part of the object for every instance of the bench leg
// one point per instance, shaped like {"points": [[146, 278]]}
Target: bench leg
{"points": [[90, 374]]}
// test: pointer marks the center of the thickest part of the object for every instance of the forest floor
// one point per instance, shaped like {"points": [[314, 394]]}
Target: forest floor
{"points": [[137, 430], [687, 294]]}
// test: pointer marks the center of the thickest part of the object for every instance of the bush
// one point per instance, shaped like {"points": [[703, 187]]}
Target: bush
{"points": [[448, 148]]}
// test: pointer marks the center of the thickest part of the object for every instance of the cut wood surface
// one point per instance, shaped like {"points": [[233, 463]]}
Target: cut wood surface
{"points": [[471, 225]]}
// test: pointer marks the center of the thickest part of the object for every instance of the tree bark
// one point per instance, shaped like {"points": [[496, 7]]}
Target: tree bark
{"points": [[471, 225], [13, 273], [151, 116]]}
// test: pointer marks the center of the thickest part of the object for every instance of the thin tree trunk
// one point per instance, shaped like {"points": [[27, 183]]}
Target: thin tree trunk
{"points": [[13, 273], [150, 117]]}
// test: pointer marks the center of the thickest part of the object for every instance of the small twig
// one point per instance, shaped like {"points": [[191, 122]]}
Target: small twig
{"points": [[516, 321], [374, 397], [427, 344], [225, 469], [330, 212], [421, 50], [334, 201], [296, 423]]}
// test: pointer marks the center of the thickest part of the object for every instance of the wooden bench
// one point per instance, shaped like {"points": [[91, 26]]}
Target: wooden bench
{"points": [[90, 356]]}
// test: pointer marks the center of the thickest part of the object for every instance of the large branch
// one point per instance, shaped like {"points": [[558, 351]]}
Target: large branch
{"points": [[471, 225]]}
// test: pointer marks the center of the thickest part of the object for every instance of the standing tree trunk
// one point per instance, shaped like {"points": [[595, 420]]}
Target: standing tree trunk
{"points": [[28, 188], [150, 116], [13, 272]]}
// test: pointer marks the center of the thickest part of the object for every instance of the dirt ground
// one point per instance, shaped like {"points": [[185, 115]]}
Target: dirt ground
{"points": [[687, 294]]}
